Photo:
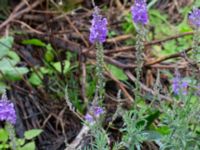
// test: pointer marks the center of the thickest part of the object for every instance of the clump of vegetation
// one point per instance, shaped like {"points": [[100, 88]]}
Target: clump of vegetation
{"points": [[138, 89]]}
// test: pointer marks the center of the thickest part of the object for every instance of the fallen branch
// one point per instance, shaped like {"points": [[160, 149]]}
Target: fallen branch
{"points": [[161, 59]]}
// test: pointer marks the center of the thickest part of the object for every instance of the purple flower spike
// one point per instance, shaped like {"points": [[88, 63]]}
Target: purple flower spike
{"points": [[184, 86], [175, 85], [98, 30], [139, 12], [7, 110], [194, 18], [89, 118], [98, 111], [179, 86]]}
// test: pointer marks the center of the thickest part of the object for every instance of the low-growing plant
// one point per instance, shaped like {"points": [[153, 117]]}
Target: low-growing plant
{"points": [[8, 62], [26, 143]]}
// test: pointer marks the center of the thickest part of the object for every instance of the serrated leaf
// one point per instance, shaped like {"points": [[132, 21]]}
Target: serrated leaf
{"points": [[5, 45], [35, 42], [117, 73], [30, 134]]}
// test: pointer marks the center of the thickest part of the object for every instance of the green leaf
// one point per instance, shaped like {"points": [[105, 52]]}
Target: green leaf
{"points": [[44, 70], [10, 71], [67, 66], [30, 134], [13, 55], [5, 45], [16, 73], [49, 55], [4, 146], [35, 42], [6, 63], [20, 142], [57, 66], [3, 86], [35, 80], [117, 73], [163, 130], [152, 117], [28, 146], [3, 135]]}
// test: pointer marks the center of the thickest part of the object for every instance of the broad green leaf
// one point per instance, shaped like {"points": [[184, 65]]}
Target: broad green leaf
{"points": [[28, 146], [13, 55], [117, 73], [35, 80], [184, 27], [44, 70], [10, 71], [30, 134], [5, 45], [3, 135], [67, 66], [4, 146], [35, 42], [6, 63], [20, 142], [16, 73], [57, 66]]}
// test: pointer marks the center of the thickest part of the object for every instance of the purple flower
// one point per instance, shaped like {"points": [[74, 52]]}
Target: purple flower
{"points": [[179, 86], [139, 12], [96, 111], [194, 18], [7, 110], [98, 30], [89, 118], [184, 86]]}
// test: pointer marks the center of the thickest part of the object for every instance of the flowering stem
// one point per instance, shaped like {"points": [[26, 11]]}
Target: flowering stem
{"points": [[196, 54], [139, 56], [196, 48], [11, 131], [99, 73]]}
